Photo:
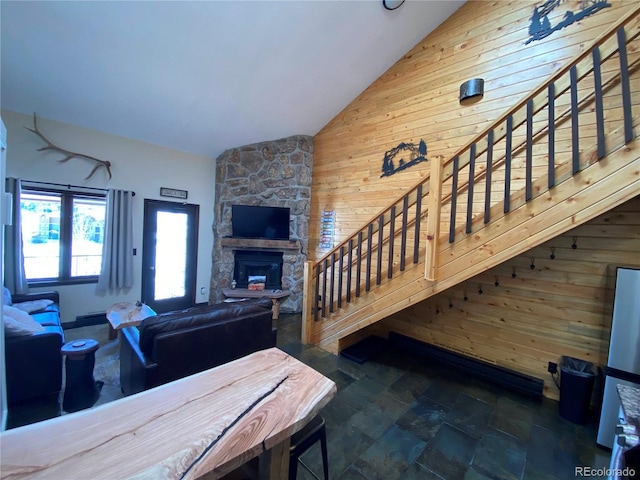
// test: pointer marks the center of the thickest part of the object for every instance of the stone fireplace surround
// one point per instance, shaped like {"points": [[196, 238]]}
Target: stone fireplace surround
{"points": [[274, 173]]}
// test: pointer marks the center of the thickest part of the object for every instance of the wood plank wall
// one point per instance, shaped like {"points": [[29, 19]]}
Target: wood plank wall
{"points": [[417, 99], [559, 307]]}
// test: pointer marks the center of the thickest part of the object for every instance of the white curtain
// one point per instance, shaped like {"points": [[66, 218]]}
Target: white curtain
{"points": [[117, 250], [14, 275]]}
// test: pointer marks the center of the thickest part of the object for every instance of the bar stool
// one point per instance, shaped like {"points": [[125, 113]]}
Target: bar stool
{"points": [[302, 440]]}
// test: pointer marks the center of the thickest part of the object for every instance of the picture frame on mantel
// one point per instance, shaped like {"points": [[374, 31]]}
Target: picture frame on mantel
{"points": [[173, 192]]}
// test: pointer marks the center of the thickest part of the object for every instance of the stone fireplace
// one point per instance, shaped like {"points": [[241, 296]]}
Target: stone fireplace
{"points": [[276, 173]]}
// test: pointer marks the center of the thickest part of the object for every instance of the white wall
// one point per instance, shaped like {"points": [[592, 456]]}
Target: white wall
{"points": [[137, 166], [3, 220]]}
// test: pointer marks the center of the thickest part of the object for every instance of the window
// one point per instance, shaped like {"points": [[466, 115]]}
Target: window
{"points": [[62, 235]]}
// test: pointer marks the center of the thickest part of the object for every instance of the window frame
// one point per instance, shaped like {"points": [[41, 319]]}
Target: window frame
{"points": [[67, 198]]}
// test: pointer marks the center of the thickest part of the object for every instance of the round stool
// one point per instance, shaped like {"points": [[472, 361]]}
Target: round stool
{"points": [[81, 390]]}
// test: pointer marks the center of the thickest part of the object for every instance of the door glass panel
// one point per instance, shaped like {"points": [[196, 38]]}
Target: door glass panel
{"points": [[171, 255]]}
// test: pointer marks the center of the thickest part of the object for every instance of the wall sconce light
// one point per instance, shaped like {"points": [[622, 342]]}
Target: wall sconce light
{"points": [[392, 4], [471, 90]]}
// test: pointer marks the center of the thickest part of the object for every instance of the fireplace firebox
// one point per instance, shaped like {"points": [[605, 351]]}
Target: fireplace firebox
{"points": [[252, 262]]}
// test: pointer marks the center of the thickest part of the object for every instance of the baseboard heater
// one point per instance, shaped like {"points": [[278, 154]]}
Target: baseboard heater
{"points": [[87, 320], [518, 382]]}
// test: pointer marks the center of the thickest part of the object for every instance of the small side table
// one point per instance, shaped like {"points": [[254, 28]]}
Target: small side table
{"points": [[274, 295], [126, 314], [81, 390]]}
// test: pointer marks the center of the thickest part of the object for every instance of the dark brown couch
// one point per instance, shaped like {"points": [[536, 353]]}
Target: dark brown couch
{"points": [[173, 345]]}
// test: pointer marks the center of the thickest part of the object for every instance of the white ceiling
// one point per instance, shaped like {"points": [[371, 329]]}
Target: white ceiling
{"points": [[202, 76]]}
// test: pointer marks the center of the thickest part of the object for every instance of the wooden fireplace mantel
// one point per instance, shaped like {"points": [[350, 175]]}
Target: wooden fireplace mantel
{"points": [[261, 244]]}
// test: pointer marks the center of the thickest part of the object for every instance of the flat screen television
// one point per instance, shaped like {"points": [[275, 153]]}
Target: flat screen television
{"points": [[254, 221]]}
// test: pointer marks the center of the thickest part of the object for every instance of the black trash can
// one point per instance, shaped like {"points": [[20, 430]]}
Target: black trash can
{"points": [[576, 386]]}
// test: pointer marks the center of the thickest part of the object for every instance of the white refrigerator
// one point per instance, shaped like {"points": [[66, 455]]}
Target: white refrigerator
{"points": [[623, 364]]}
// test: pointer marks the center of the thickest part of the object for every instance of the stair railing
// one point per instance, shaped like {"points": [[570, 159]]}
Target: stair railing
{"points": [[465, 185]]}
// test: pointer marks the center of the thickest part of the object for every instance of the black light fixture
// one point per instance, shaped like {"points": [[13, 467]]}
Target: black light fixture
{"points": [[472, 90], [392, 4]]}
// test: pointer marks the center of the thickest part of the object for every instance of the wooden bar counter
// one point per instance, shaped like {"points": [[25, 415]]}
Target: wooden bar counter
{"points": [[208, 423]]}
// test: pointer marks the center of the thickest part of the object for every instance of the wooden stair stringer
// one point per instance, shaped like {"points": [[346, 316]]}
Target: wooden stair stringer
{"points": [[595, 190]]}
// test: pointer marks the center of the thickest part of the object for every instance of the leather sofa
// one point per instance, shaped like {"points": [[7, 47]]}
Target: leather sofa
{"points": [[33, 362], [173, 345]]}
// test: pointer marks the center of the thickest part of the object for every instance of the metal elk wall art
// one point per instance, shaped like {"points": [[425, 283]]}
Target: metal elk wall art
{"points": [[403, 156], [68, 155]]}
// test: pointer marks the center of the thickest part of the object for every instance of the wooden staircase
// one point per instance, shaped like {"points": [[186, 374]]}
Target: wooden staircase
{"points": [[555, 160]]}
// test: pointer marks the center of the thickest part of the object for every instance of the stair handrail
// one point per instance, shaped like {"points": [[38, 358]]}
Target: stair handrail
{"points": [[424, 182], [356, 250]]}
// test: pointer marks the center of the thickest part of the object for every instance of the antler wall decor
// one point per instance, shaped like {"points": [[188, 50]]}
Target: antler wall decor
{"points": [[68, 154]]}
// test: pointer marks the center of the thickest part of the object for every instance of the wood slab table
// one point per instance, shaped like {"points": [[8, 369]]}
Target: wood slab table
{"points": [[275, 296], [126, 314], [209, 423]]}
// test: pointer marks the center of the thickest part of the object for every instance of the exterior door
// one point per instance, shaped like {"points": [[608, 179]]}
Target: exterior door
{"points": [[169, 256]]}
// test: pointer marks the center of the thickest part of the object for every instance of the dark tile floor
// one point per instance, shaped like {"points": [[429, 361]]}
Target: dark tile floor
{"points": [[399, 417]]}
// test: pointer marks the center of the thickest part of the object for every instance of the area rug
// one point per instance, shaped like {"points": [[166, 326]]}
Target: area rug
{"points": [[107, 368]]}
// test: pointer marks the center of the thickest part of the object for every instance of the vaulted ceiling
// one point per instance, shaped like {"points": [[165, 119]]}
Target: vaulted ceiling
{"points": [[202, 76]]}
